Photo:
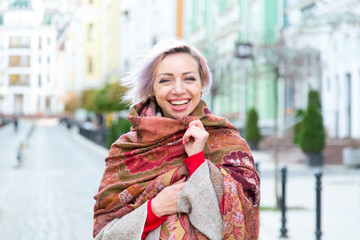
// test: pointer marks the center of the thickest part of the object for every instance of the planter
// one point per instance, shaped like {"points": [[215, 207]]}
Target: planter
{"points": [[314, 159], [351, 156]]}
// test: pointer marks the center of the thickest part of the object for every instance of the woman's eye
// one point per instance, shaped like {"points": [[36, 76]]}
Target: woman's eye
{"points": [[191, 78], [164, 80]]}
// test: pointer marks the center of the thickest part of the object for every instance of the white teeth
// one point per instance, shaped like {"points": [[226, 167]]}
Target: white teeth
{"points": [[179, 102]]}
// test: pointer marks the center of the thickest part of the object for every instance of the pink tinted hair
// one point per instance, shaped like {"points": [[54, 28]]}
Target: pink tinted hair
{"points": [[140, 82]]}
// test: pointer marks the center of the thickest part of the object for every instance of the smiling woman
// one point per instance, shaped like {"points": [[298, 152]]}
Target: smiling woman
{"points": [[181, 172]]}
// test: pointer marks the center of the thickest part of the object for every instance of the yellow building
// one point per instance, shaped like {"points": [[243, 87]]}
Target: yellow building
{"points": [[100, 36]]}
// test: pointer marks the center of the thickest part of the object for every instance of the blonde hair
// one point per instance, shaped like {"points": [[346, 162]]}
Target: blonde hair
{"points": [[140, 81]]}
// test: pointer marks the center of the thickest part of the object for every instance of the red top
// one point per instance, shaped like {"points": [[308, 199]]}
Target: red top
{"points": [[153, 221]]}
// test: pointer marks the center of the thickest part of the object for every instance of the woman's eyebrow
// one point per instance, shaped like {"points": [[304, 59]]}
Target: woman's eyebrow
{"points": [[167, 74], [171, 74], [185, 73]]}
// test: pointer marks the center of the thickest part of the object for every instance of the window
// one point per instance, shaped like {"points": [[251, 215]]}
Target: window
{"points": [[19, 61], [90, 65], [19, 42], [90, 31], [19, 80]]}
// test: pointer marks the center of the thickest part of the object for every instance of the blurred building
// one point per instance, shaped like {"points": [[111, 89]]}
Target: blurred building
{"points": [[27, 60], [332, 28], [100, 37], [69, 52], [145, 23], [228, 32]]}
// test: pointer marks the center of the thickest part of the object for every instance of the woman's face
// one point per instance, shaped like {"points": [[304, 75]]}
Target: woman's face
{"points": [[177, 85]]}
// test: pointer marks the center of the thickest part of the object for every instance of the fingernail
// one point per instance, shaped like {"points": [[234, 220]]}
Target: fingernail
{"points": [[187, 127]]}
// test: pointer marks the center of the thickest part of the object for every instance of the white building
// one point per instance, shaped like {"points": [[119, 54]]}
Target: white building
{"points": [[145, 23], [332, 27], [27, 60]]}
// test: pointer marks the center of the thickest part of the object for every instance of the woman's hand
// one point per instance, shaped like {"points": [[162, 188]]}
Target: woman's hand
{"points": [[165, 203], [195, 138]]}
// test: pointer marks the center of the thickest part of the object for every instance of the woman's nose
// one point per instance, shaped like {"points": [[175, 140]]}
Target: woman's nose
{"points": [[178, 86]]}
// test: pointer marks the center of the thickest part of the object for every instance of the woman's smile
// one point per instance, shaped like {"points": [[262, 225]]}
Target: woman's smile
{"points": [[179, 105]]}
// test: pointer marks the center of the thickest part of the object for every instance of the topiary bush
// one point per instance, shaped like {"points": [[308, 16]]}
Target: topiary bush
{"points": [[252, 131], [299, 116], [312, 134]]}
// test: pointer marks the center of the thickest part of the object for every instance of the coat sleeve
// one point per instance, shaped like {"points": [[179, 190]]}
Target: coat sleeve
{"points": [[129, 227], [196, 198]]}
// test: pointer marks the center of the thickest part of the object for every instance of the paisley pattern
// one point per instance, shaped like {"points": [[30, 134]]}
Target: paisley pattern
{"points": [[150, 157]]}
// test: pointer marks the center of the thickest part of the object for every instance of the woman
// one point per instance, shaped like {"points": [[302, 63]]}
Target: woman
{"points": [[181, 172]]}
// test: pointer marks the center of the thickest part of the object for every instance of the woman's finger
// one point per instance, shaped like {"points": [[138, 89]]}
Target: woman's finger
{"points": [[197, 123], [195, 132], [180, 181]]}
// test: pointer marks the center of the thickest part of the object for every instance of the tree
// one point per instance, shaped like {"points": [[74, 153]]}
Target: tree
{"points": [[71, 103], [312, 134], [314, 100], [101, 100], [104, 100], [290, 65], [252, 132], [108, 98], [115, 95], [87, 100]]}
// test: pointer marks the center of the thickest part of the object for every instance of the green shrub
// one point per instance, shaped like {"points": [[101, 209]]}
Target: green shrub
{"points": [[117, 129], [314, 100], [312, 135], [252, 132]]}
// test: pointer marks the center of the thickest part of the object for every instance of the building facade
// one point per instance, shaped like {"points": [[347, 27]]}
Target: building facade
{"points": [[27, 64], [99, 34], [218, 28], [145, 23], [333, 28]]}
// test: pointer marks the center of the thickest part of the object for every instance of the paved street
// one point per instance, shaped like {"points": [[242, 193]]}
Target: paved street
{"points": [[50, 195]]}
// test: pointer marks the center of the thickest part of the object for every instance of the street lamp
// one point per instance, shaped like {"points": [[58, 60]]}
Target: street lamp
{"points": [[244, 50]]}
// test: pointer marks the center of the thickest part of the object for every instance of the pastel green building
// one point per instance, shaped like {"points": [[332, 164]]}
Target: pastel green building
{"points": [[216, 27]]}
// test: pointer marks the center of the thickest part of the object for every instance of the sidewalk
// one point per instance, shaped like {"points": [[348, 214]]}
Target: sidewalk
{"points": [[340, 201], [50, 194]]}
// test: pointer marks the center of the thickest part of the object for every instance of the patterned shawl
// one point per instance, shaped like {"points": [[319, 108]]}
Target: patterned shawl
{"points": [[150, 157]]}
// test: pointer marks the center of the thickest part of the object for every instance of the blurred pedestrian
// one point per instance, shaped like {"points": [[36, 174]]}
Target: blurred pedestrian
{"points": [[181, 172], [16, 123]]}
